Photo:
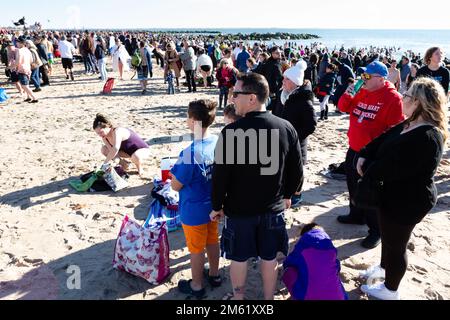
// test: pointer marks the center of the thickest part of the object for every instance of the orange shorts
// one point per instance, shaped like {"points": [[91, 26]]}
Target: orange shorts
{"points": [[198, 237]]}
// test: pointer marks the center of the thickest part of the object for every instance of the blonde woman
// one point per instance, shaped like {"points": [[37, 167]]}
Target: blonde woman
{"points": [[402, 163], [171, 59]]}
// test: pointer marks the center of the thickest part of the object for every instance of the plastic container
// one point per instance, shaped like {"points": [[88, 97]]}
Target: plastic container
{"points": [[359, 84], [3, 95], [167, 165]]}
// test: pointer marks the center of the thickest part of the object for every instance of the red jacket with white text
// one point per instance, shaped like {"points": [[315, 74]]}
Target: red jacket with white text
{"points": [[371, 114]]}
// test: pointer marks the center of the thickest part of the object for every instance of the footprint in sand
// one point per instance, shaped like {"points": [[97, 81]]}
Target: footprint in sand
{"points": [[24, 261], [352, 264], [419, 270], [433, 294], [429, 251], [75, 228], [346, 277]]}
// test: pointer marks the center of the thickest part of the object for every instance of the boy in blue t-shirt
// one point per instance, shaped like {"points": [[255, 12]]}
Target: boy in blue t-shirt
{"points": [[191, 176]]}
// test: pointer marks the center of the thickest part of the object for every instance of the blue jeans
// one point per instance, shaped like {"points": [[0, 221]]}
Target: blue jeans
{"points": [[94, 63], [171, 88], [223, 96], [35, 78], [102, 67], [89, 63]]}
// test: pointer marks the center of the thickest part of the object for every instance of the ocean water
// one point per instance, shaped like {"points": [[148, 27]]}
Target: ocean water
{"points": [[416, 40]]}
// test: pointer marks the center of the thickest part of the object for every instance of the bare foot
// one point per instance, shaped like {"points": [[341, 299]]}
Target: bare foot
{"points": [[141, 173], [125, 165]]}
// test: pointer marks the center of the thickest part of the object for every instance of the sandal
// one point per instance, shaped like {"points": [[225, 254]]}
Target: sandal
{"points": [[184, 286], [214, 282]]}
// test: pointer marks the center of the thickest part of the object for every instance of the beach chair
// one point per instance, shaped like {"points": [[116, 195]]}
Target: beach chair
{"points": [[109, 86]]}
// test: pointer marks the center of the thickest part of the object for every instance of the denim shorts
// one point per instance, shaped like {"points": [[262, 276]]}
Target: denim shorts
{"points": [[260, 236], [24, 79]]}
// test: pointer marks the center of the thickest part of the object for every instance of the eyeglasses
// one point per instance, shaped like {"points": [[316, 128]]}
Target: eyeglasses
{"points": [[366, 76], [237, 93]]}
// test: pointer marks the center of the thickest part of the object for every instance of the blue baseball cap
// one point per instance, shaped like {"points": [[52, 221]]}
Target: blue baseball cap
{"points": [[376, 67]]}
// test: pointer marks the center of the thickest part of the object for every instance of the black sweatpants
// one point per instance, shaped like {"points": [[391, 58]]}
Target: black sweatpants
{"points": [[394, 258], [369, 216], [190, 78]]}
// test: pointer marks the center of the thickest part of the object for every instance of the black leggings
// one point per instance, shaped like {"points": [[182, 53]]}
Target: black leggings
{"points": [[394, 259]]}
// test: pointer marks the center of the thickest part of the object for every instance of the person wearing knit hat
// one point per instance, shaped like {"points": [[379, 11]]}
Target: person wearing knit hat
{"points": [[296, 74], [297, 106]]}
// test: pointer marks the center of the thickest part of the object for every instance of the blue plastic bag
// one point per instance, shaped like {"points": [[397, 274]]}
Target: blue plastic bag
{"points": [[3, 95], [159, 214]]}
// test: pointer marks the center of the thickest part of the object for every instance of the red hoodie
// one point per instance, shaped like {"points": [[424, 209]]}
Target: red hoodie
{"points": [[371, 113]]}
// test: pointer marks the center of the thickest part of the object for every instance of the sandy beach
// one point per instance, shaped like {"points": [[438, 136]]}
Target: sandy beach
{"points": [[46, 227]]}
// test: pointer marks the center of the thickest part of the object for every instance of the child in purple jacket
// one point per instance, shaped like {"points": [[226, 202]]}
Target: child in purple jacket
{"points": [[312, 268]]}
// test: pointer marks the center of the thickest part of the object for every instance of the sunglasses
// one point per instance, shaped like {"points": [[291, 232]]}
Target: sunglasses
{"points": [[237, 93], [366, 76]]}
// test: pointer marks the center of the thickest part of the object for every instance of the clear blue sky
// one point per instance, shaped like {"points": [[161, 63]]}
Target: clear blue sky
{"points": [[397, 14]]}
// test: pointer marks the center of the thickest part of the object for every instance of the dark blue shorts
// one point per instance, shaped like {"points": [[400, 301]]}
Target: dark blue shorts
{"points": [[261, 236], [24, 79]]}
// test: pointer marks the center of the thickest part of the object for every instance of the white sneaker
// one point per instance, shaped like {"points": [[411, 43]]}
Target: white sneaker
{"points": [[373, 272], [380, 291]]}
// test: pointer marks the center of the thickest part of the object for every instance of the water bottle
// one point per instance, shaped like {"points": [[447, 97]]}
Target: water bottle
{"points": [[358, 86]]}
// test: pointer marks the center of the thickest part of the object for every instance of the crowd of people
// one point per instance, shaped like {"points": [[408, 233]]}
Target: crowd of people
{"points": [[202, 59], [398, 114]]}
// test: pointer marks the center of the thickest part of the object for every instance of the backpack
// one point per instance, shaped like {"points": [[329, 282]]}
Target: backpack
{"points": [[136, 60]]}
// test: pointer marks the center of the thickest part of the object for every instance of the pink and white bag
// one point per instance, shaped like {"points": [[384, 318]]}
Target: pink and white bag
{"points": [[143, 251]]}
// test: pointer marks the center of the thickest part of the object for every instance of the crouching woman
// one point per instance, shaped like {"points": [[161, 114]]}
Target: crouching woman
{"points": [[121, 143]]}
